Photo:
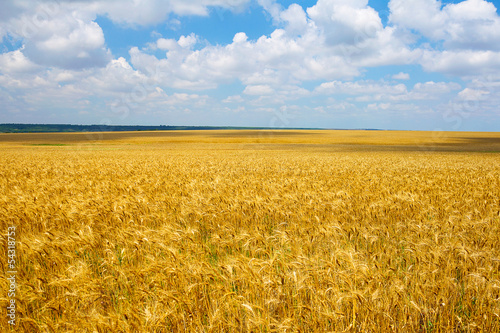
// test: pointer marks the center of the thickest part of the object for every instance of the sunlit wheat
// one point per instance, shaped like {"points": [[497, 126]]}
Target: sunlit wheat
{"points": [[164, 236]]}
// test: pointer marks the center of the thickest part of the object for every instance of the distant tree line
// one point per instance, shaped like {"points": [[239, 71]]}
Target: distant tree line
{"points": [[41, 128]]}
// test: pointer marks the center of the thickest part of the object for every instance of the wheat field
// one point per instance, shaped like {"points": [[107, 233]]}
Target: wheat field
{"points": [[252, 231]]}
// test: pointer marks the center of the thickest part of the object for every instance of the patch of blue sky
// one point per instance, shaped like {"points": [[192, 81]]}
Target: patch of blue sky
{"points": [[9, 43], [305, 3], [381, 7], [218, 28], [221, 25], [415, 72], [121, 38]]}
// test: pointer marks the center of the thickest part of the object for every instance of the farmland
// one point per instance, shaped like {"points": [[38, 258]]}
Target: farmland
{"points": [[253, 231]]}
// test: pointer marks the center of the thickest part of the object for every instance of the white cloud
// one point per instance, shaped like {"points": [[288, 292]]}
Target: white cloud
{"points": [[432, 90], [469, 32], [472, 94], [345, 22], [424, 16], [233, 99], [401, 76], [295, 18], [274, 59], [240, 37], [181, 69], [273, 8], [63, 34], [55, 34], [69, 44], [474, 24], [354, 31], [470, 24], [307, 48], [117, 77], [303, 50], [65, 76], [258, 90], [166, 44], [266, 76], [187, 42], [466, 63], [16, 62]]}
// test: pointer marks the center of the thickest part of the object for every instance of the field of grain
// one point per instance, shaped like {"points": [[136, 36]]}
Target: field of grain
{"points": [[252, 231]]}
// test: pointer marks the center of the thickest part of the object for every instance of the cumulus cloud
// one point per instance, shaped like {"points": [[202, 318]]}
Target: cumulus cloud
{"points": [[469, 32], [401, 76], [354, 31], [463, 63], [472, 94], [117, 77], [275, 59], [345, 22], [424, 16], [331, 40], [295, 19], [70, 43], [55, 34], [470, 24], [240, 37], [16, 62], [63, 33], [166, 44]]}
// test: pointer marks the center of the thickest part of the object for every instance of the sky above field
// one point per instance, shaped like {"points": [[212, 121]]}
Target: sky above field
{"points": [[399, 64]]}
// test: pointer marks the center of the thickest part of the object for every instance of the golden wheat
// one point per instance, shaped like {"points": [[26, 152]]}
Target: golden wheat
{"points": [[222, 232]]}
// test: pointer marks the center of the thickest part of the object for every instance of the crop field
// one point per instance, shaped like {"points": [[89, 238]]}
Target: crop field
{"points": [[252, 231]]}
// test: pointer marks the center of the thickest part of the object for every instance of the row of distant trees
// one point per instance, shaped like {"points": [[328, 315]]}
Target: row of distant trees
{"points": [[34, 128]]}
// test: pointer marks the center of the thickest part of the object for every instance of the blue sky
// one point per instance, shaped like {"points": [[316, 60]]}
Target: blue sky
{"points": [[399, 64]]}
